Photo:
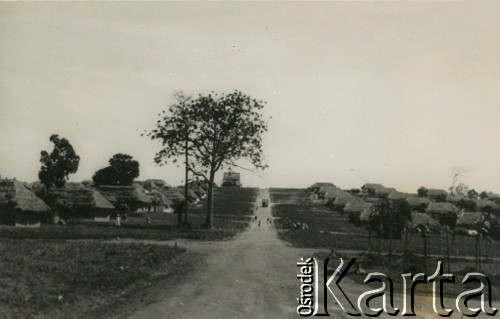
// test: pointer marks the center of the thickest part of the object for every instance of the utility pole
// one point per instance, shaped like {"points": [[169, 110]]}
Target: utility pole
{"points": [[186, 154], [186, 183]]}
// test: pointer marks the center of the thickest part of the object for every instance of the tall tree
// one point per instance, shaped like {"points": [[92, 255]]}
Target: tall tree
{"points": [[122, 170], [222, 130], [175, 130], [57, 165]]}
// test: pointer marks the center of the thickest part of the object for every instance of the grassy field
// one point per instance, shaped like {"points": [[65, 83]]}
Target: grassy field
{"points": [[331, 230], [233, 208], [293, 196], [57, 279], [232, 212]]}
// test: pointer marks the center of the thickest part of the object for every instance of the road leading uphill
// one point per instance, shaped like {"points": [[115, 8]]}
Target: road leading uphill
{"points": [[250, 276]]}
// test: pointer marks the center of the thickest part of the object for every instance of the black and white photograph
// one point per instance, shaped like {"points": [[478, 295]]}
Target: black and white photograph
{"points": [[241, 159]]}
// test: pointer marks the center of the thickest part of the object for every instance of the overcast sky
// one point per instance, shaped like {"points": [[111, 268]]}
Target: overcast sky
{"points": [[395, 93]]}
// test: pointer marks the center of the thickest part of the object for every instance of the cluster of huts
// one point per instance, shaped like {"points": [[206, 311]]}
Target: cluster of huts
{"points": [[431, 208], [21, 203]]}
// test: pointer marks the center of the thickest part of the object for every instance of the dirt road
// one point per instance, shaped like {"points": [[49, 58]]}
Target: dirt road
{"points": [[251, 276]]}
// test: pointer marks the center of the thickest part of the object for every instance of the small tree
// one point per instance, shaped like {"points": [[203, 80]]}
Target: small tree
{"points": [[374, 224], [57, 165], [422, 191], [122, 170], [456, 174], [215, 130], [472, 194], [390, 218], [482, 228]]}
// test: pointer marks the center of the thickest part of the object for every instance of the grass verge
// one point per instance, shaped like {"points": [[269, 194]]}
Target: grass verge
{"points": [[58, 279], [92, 231]]}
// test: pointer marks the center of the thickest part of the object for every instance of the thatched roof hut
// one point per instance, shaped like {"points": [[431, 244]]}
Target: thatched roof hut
{"points": [[372, 188], [359, 212], [82, 202], [337, 198], [357, 207], [101, 201], [395, 195], [130, 198], [174, 194], [161, 202], [437, 194], [418, 203], [152, 184], [441, 208], [422, 219], [377, 190], [316, 186], [200, 188], [327, 192], [344, 198], [199, 191], [469, 219], [445, 213], [19, 206], [192, 197], [78, 196]]}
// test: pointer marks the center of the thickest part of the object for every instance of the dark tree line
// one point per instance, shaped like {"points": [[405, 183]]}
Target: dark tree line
{"points": [[122, 170]]}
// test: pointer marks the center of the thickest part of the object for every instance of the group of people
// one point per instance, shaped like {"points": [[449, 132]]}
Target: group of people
{"points": [[299, 225], [268, 220]]}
